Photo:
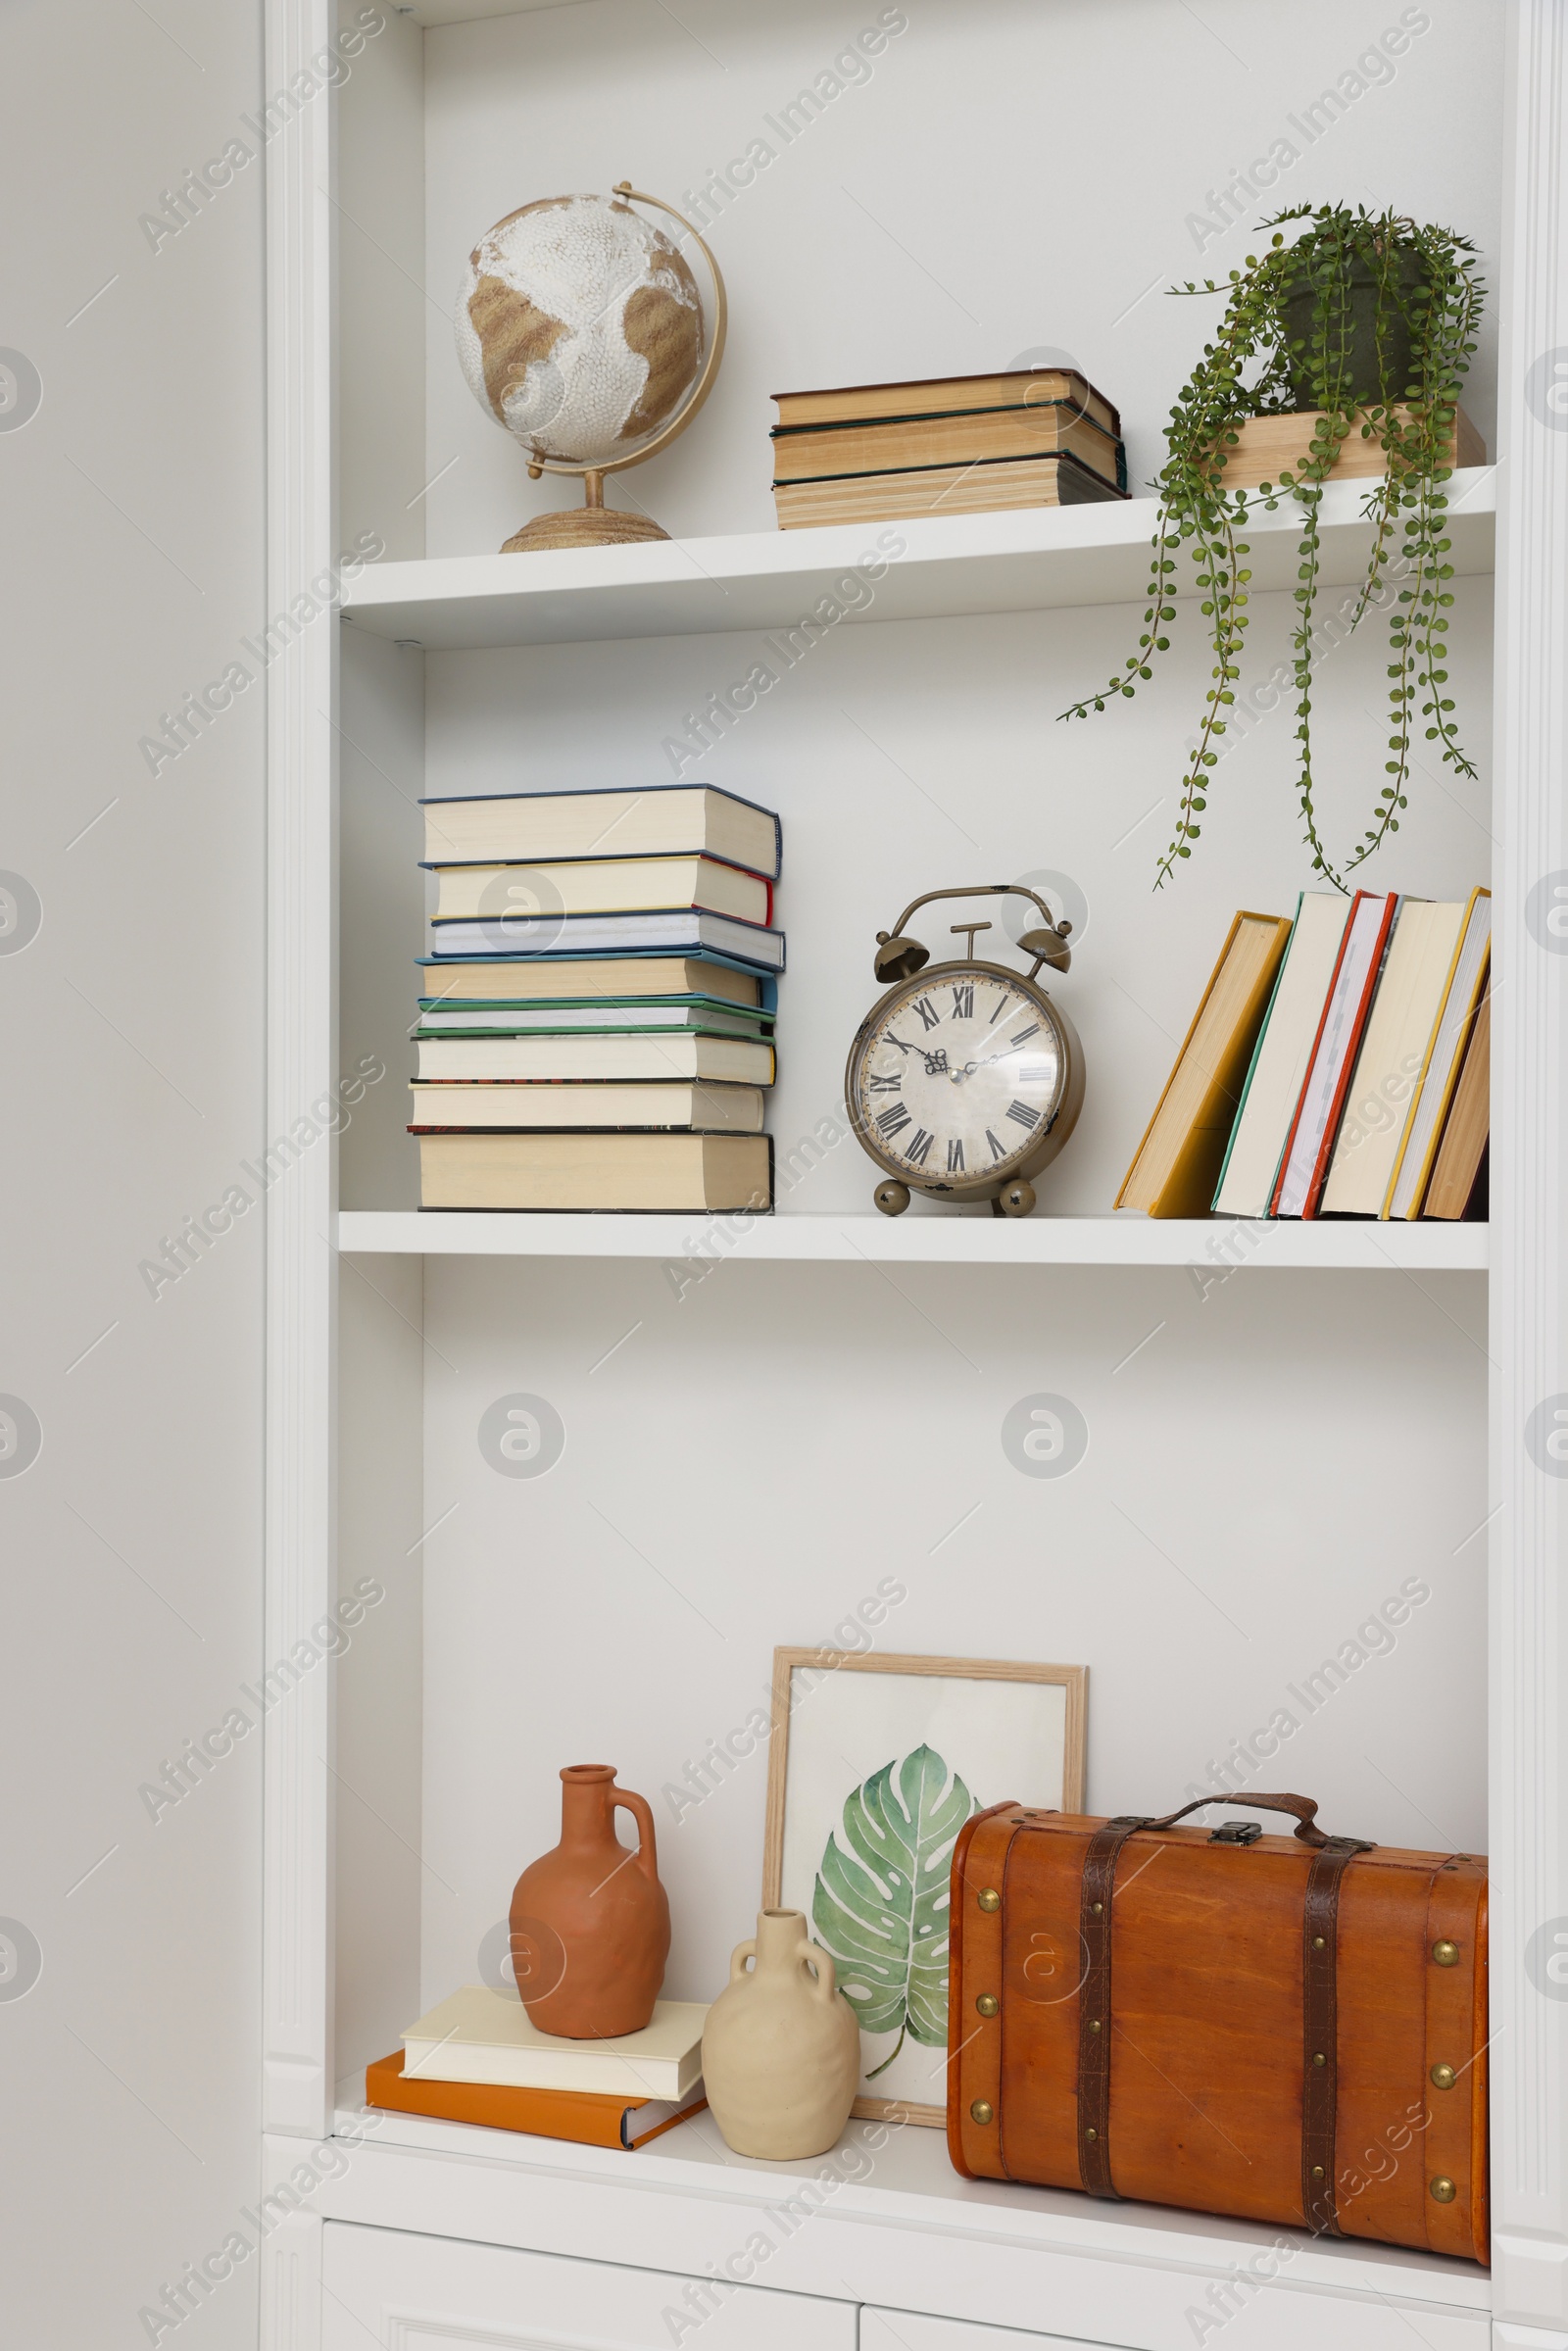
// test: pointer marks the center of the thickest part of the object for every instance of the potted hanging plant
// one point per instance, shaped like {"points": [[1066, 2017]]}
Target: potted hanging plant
{"points": [[1368, 322]]}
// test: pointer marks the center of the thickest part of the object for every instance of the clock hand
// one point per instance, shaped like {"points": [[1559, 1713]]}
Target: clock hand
{"points": [[985, 1063]]}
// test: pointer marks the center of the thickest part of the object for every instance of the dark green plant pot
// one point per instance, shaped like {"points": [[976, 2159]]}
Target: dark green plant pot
{"points": [[1366, 382]]}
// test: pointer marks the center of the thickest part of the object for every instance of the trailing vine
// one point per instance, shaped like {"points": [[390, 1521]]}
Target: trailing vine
{"points": [[1290, 340]]}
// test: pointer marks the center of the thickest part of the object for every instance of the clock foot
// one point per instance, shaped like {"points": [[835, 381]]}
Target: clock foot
{"points": [[1018, 1199], [893, 1197]]}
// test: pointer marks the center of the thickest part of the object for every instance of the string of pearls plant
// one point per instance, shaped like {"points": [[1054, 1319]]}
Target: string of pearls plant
{"points": [[1371, 320]]}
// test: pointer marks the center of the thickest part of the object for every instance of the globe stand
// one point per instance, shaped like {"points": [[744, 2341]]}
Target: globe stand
{"points": [[593, 524]]}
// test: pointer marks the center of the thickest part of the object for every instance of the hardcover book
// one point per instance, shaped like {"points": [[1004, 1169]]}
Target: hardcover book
{"points": [[682, 930], [591, 2121], [826, 451], [448, 1106], [998, 487], [483, 2036], [1174, 1170], [942, 395], [598, 1171], [655, 820], [1283, 1047], [535, 896], [1339, 1033]]}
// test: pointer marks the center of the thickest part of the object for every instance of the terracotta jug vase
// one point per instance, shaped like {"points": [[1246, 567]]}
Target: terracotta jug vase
{"points": [[781, 2048], [590, 1920]]}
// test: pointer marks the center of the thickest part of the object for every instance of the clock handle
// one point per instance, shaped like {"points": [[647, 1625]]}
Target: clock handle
{"points": [[1046, 946], [981, 889]]}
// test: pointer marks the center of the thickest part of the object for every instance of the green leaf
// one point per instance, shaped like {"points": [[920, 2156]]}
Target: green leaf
{"points": [[880, 1904]]}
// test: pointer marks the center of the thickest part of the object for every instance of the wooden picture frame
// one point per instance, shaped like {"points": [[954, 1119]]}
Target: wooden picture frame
{"points": [[1072, 1680]]}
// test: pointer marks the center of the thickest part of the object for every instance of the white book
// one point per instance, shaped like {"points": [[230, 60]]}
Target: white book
{"points": [[1424, 1128], [1394, 1051], [608, 1017], [680, 930], [585, 1103], [1343, 1017], [650, 820], [484, 2035], [1284, 1048], [735, 1061]]}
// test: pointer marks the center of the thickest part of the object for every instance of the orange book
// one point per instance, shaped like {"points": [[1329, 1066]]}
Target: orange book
{"points": [[592, 2120]]}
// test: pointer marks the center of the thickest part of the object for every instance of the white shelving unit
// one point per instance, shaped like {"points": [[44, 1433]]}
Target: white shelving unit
{"points": [[1267, 1455], [916, 1240], [757, 580]]}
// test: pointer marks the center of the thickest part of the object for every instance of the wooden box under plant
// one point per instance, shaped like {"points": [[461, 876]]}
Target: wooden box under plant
{"points": [[1266, 447]]}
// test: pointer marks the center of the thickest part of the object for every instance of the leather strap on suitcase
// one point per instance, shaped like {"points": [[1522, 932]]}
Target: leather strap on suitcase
{"points": [[1319, 1976]]}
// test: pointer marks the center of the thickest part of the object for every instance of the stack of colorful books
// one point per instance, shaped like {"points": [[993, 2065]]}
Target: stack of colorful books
{"points": [[602, 986], [961, 445], [478, 2059], [1338, 1066]]}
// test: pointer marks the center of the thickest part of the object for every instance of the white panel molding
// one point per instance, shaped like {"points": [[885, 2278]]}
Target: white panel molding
{"points": [[1528, 1187], [291, 2284], [301, 894]]}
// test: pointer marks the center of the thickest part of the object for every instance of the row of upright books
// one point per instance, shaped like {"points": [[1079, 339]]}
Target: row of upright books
{"points": [[959, 445], [1338, 1066], [598, 1031]]}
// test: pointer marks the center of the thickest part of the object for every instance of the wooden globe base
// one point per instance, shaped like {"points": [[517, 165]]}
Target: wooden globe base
{"points": [[582, 527]]}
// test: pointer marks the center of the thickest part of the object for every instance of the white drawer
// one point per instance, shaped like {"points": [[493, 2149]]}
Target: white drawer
{"points": [[433, 2293], [904, 2331]]}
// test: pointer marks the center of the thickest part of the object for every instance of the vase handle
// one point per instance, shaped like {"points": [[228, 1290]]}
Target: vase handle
{"points": [[738, 1958], [641, 1811], [825, 1985]]}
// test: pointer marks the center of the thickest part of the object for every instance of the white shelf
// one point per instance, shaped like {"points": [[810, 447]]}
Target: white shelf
{"points": [[1209, 1242], [899, 2227], [1042, 559]]}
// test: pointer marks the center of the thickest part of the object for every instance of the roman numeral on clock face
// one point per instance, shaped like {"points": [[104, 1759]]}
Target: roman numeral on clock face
{"points": [[956, 1157], [929, 1015], [964, 1000], [997, 1150], [996, 1010], [1022, 1036], [874, 1085], [1021, 1112], [917, 1151], [893, 1120]]}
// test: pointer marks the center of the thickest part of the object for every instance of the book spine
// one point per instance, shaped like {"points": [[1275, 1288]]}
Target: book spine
{"points": [[1288, 1152], [1353, 1046]]}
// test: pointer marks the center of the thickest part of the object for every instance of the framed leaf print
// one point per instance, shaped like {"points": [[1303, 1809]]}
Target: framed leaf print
{"points": [[874, 1765]]}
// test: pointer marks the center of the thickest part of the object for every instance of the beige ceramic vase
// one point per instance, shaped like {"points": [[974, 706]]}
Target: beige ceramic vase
{"points": [[781, 2048]]}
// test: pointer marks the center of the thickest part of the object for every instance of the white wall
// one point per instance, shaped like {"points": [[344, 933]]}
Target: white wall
{"points": [[1278, 1457], [132, 1026], [1014, 174]]}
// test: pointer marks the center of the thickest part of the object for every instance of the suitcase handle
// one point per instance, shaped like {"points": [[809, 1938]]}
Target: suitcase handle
{"points": [[1304, 1807]]}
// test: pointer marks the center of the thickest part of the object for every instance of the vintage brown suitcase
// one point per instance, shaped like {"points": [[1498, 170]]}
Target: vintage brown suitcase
{"points": [[1284, 2029]]}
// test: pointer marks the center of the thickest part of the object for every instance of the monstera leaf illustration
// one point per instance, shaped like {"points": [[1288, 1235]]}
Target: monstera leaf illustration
{"points": [[881, 1906]]}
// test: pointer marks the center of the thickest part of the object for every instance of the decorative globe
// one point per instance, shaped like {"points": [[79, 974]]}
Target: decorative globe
{"points": [[579, 327]]}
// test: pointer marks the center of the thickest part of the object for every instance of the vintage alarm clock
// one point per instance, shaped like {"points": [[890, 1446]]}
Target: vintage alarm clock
{"points": [[965, 1079]]}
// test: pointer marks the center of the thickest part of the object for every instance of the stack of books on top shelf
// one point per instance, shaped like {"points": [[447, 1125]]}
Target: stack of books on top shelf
{"points": [[599, 1022], [478, 2059], [1338, 1066], [961, 445]]}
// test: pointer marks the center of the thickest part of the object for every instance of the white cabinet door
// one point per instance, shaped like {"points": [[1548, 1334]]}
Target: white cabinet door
{"points": [[904, 2331], [433, 2293]]}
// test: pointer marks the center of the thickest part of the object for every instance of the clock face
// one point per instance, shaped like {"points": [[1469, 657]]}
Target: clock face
{"points": [[959, 1078]]}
